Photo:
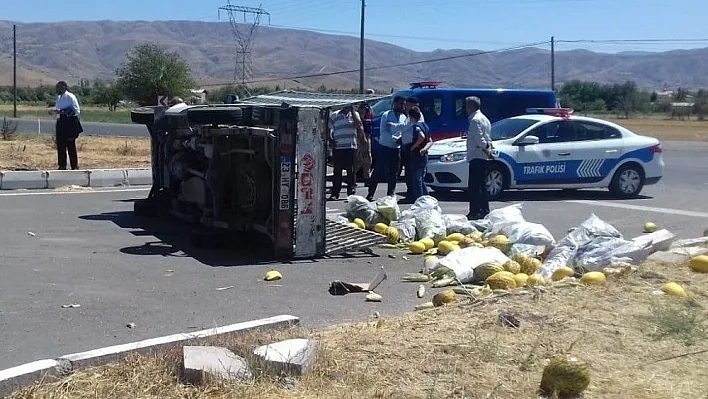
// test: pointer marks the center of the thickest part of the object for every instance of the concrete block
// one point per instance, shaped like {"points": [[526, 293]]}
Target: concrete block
{"points": [[292, 356], [200, 361], [24, 180], [64, 178], [99, 357], [108, 178], [691, 242], [139, 177], [18, 377], [667, 257]]}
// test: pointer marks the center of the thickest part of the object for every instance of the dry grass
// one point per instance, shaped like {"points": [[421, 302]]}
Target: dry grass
{"points": [[638, 345], [39, 152], [666, 129]]}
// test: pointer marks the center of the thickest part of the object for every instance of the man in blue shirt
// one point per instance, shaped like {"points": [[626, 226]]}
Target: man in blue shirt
{"points": [[388, 154]]}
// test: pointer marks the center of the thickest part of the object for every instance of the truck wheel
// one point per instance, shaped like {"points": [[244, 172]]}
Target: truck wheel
{"points": [[215, 116]]}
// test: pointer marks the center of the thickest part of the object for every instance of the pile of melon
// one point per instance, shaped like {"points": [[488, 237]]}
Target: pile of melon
{"points": [[392, 234]]}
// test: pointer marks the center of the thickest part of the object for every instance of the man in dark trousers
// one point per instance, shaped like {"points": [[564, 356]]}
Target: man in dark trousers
{"points": [[68, 126], [479, 153]]}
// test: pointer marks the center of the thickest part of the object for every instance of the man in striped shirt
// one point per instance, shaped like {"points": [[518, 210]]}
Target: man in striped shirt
{"points": [[346, 130]]}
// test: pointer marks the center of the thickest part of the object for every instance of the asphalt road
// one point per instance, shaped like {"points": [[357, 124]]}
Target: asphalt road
{"points": [[46, 126], [89, 249]]}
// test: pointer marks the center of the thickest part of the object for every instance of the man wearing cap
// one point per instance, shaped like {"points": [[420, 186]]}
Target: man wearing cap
{"points": [[406, 143], [388, 153]]}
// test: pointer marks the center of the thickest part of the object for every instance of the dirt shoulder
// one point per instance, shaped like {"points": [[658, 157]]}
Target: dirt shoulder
{"points": [[636, 343], [37, 152]]}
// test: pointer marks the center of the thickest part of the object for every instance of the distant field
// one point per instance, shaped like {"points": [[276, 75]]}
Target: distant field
{"points": [[88, 113], [657, 125], [39, 152], [665, 129]]}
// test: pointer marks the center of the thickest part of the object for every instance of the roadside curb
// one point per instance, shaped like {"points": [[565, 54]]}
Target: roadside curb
{"points": [[96, 178], [20, 376]]}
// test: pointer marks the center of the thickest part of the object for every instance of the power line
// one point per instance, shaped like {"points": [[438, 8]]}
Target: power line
{"points": [[448, 58], [633, 41]]}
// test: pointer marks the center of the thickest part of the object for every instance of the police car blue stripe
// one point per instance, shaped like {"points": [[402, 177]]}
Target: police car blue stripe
{"points": [[571, 171]]}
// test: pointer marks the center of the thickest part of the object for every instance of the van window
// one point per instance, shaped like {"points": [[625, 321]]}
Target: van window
{"points": [[489, 102], [431, 106], [382, 106]]}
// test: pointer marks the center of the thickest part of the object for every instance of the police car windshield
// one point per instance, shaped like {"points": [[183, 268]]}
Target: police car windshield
{"points": [[510, 128]]}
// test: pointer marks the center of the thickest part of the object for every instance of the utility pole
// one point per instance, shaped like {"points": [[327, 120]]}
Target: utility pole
{"points": [[361, 48], [14, 71], [553, 63]]}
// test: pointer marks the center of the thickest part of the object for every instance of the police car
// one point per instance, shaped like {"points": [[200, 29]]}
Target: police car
{"points": [[549, 148]]}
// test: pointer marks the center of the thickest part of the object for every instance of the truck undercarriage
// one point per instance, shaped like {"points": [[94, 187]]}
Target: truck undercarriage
{"points": [[253, 167]]}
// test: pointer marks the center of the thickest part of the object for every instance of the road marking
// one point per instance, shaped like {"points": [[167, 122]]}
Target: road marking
{"points": [[121, 190], [668, 211]]}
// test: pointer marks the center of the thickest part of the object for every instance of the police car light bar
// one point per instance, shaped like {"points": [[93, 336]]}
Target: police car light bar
{"points": [[559, 112], [425, 85]]}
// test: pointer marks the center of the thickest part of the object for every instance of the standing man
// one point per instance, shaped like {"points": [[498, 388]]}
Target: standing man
{"points": [[407, 138], [363, 160], [345, 131], [388, 154], [68, 125], [479, 153]]}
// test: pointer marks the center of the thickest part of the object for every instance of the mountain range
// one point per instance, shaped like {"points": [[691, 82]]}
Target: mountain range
{"points": [[75, 50]]}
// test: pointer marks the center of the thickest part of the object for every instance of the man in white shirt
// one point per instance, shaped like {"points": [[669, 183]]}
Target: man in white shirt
{"points": [[68, 126], [479, 153]]}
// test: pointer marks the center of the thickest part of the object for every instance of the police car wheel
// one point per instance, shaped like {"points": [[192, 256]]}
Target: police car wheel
{"points": [[627, 182], [495, 181]]}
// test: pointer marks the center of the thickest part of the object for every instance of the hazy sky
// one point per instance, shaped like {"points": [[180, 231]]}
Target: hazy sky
{"points": [[427, 24]]}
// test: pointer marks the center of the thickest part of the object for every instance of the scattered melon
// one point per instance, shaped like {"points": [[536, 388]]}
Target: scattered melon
{"points": [[520, 279], [500, 242], [561, 273], [535, 280], [353, 225], [650, 227], [466, 242], [393, 235], [444, 297], [483, 271], [593, 278], [445, 247], [429, 243], [699, 264], [380, 228], [674, 289], [565, 376], [455, 237], [512, 266], [501, 281], [416, 247], [476, 236], [359, 222]]}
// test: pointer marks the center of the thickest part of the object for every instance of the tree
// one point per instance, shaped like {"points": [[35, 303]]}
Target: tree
{"points": [[106, 94], [149, 71]]}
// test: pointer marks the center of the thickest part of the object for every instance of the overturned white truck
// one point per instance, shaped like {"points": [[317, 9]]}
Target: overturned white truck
{"points": [[257, 166]]}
